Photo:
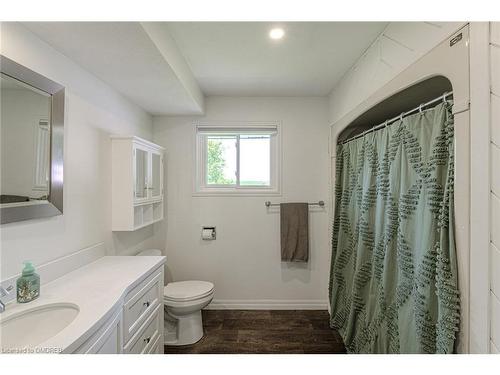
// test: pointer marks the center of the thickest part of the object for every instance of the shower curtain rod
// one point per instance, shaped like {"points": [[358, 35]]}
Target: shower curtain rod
{"points": [[400, 117]]}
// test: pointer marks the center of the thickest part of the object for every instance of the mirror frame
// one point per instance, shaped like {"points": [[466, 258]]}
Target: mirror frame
{"points": [[53, 206]]}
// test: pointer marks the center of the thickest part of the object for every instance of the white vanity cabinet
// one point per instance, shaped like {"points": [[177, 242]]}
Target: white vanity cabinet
{"points": [[143, 316], [136, 325], [137, 183], [108, 339]]}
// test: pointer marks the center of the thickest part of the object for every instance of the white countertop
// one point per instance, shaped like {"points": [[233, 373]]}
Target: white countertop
{"points": [[97, 289]]}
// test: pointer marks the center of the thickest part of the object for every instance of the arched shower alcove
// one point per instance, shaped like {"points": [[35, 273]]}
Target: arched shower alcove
{"points": [[404, 100], [445, 68]]}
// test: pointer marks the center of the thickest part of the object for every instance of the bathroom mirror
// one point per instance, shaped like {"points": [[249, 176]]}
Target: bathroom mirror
{"points": [[32, 139]]}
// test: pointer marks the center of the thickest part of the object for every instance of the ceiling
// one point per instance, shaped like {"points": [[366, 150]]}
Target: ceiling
{"points": [[126, 57], [238, 58], [168, 67]]}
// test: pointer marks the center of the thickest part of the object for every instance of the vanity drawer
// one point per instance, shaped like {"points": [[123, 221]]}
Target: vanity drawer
{"points": [[141, 302], [147, 336], [155, 348]]}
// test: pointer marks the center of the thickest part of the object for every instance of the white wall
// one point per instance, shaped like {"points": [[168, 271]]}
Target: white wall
{"points": [[21, 111], [244, 261], [93, 112], [495, 186], [400, 45]]}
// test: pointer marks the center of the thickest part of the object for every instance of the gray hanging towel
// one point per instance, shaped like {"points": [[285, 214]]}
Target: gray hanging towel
{"points": [[294, 226]]}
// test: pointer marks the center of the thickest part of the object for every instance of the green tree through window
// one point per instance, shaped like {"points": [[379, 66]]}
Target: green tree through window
{"points": [[216, 163]]}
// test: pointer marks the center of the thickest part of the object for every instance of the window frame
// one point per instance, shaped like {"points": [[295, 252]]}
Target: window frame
{"points": [[202, 130]]}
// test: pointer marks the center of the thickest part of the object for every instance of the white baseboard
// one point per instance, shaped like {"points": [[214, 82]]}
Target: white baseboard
{"points": [[266, 304]]}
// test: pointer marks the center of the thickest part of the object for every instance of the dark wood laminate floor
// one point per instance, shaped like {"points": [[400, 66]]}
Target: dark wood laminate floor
{"points": [[264, 331]]}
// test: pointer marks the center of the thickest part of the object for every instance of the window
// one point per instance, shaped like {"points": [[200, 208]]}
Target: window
{"points": [[237, 159], [42, 152]]}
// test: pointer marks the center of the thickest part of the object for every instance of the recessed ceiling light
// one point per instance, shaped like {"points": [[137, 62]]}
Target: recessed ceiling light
{"points": [[276, 33]]}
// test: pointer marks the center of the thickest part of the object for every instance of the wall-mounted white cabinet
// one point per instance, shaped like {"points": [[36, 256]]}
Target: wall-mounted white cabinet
{"points": [[137, 183]]}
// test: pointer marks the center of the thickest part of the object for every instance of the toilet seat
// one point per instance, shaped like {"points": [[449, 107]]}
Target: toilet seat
{"points": [[185, 291]]}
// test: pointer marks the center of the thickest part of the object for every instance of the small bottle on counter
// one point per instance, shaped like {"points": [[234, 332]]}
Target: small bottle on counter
{"points": [[28, 285]]}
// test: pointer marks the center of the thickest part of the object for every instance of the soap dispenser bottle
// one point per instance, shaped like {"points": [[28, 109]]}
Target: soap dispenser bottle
{"points": [[28, 285]]}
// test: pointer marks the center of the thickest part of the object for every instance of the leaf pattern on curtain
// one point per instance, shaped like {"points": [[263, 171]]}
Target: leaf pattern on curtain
{"points": [[393, 279]]}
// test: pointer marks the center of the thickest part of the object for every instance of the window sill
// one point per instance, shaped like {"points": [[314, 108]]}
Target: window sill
{"points": [[236, 192]]}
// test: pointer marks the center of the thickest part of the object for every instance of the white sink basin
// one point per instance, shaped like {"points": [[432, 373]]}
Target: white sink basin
{"points": [[34, 326]]}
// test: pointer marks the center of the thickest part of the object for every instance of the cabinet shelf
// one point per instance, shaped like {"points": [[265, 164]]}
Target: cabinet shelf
{"points": [[137, 183], [147, 213]]}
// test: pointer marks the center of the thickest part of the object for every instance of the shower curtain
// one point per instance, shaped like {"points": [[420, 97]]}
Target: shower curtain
{"points": [[393, 279]]}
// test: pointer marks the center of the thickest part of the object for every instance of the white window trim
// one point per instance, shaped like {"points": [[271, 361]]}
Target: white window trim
{"points": [[199, 186]]}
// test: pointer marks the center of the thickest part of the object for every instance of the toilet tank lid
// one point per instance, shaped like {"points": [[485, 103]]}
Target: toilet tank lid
{"points": [[150, 252]]}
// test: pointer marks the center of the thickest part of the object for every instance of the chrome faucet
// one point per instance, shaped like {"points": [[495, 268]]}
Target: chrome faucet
{"points": [[4, 292]]}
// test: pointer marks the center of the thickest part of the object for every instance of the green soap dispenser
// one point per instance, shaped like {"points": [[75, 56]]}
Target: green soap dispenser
{"points": [[28, 285]]}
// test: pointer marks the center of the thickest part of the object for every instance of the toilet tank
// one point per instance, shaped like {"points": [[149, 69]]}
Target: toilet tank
{"points": [[155, 252], [150, 252]]}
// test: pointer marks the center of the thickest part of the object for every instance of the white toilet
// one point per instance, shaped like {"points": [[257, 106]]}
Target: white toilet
{"points": [[183, 303]]}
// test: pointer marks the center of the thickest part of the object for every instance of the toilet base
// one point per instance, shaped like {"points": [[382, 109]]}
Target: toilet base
{"points": [[189, 329]]}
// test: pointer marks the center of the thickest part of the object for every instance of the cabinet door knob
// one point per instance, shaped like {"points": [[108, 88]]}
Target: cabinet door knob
{"points": [[147, 303], [147, 340]]}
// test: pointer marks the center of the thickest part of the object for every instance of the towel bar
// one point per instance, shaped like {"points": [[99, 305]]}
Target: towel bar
{"points": [[320, 203]]}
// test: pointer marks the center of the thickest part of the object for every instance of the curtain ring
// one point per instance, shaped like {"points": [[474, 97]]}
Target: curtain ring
{"points": [[444, 97], [401, 116], [386, 123], [420, 109]]}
